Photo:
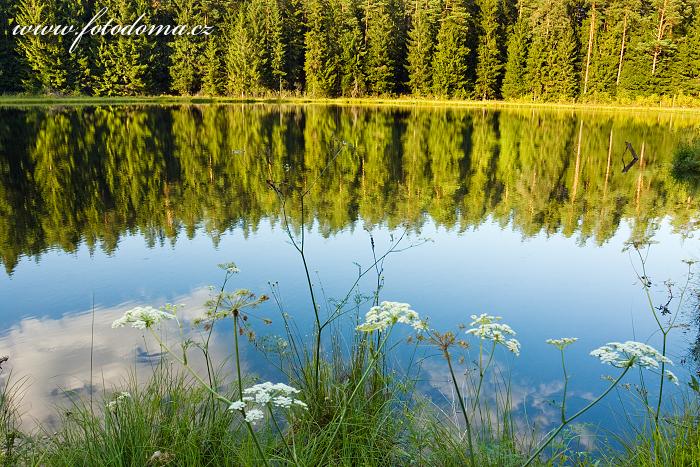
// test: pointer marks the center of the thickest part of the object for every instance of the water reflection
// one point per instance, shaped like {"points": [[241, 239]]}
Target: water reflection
{"points": [[53, 355], [92, 175]]}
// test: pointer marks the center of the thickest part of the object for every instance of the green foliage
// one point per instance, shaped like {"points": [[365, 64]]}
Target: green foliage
{"points": [[552, 60], [123, 61], [515, 82], [187, 50], [489, 55], [421, 45], [352, 49], [451, 59], [382, 34], [10, 66], [321, 63]]}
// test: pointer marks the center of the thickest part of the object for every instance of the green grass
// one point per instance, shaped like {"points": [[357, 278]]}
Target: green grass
{"points": [[641, 104]]}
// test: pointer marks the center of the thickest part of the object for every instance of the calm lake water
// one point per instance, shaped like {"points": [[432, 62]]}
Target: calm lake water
{"points": [[527, 213]]}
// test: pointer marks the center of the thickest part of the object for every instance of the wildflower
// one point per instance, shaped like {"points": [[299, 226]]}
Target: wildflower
{"points": [[260, 395], [238, 405], [253, 415], [142, 317], [119, 399], [629, 354], [562, 342], [486, 327], [230, 268], [671, 377], [381, 317]]}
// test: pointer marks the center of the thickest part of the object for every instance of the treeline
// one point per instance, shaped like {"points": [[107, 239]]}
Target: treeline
{"points": [[91, 175], [543, 50]]}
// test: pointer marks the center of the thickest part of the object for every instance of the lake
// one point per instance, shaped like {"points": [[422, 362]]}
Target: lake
{"points": [[520, 213]]}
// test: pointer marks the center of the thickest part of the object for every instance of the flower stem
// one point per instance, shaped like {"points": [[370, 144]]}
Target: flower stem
{"points": [[573, 417], [238, 360], [472, 459], [482, 372], [352, 395], [284, 440], [211, 390]]}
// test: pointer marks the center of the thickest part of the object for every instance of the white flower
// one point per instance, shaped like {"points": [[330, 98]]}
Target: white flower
{"points": [[381, 317], [238, 405], [123, 395], [629, 354], [282, 401], [262, 394], [112, 406], [514, 346], [671, 377], [486, 327], [562, 342], [253, 415], [142, 317]]}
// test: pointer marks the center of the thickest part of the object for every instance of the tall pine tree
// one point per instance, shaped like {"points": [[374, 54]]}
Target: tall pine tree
{"points": [[450, 62], [489, 54], [421, 46]]}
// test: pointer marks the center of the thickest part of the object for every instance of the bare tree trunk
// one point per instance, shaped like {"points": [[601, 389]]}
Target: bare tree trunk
{"points": [[622, 49], [659, 36], [590, 47]]}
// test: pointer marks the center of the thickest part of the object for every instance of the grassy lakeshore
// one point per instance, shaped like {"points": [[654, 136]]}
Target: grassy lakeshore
{"points": [[664, 105]]}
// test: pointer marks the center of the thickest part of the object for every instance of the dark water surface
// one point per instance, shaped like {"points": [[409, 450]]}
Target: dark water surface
{"points": [[527, 212]]}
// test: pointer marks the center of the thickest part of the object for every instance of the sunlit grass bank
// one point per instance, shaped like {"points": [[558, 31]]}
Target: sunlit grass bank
{"points": [[653, 104]]}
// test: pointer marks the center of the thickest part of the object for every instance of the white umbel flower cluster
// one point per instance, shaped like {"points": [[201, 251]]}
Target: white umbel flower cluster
{"points": [[260, 395], [562, 342], [486, 327], [629, 354], [120, 398], [142, 317], [381, 317]]}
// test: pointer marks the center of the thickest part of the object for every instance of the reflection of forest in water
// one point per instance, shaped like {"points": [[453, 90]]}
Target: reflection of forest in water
{"points": [[69, 175]]}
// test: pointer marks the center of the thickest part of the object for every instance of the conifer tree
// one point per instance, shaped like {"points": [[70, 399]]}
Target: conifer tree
{"points": [[352, 50], [321, 58], [10, 66], [686, 74], [274, 42], [52, 67], [382, 32], [515, 83], [293, 40], [244, 58], [421, 46], [489, 56], [124, 61], [553, 54], [211, 72], [450, 62], [187, 50]]}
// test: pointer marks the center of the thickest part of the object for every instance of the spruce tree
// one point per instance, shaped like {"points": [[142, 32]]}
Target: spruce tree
{"points": [[686, 72], [124, 61], [52, 68], [553, 54], [382, 32], [321, 58], [450, 62], [187, 50], [515, 83], [211, 69], [421, 45], [274, 42], [352, 50], [489, 56], [10, 66], [293, 40]]}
